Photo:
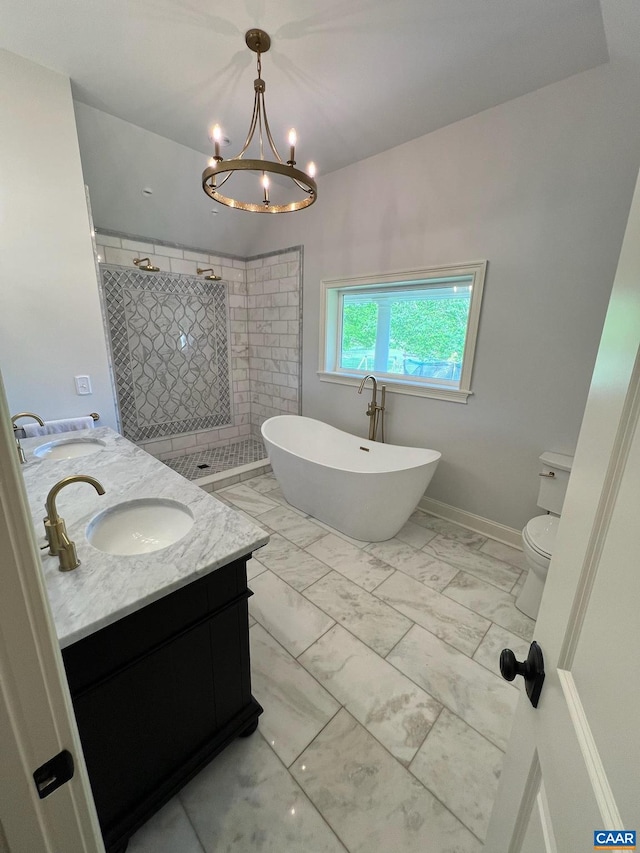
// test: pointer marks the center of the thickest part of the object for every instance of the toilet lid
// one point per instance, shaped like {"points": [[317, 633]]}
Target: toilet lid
{"points": [[541, 533]]}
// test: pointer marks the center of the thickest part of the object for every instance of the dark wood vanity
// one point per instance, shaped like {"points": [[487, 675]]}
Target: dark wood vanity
{"points": [[159, 693]]}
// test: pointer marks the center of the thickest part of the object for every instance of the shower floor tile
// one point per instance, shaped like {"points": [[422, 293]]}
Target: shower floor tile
{"points": [[205, 462], [378, 733]]}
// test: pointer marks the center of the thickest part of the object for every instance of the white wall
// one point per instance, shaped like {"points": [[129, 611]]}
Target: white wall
{"points": [[50, 321], [539, 186], [120, 159]]}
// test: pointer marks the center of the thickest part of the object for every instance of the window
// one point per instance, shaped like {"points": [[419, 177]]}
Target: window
{"points": [[415, 330]]}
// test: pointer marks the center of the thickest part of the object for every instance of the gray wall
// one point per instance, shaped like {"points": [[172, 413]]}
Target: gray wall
{"points": [[50, 322], [541, 187], [120, 159]]}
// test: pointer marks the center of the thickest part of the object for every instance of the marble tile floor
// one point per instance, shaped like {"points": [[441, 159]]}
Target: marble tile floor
{"points": [[385, 719]]}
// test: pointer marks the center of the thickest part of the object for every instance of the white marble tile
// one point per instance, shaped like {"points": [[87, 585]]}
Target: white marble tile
{"points": [[295, 706], [168, 831], [425, 568], [288, 616], [291, 525], [263, 484], [504, 552], [359, 566], [247, 499], [448, 529], [245, 801], [370, 800], [397, 712], [450, 621], [483, 566], [250, 518], [496, 639], [277, 495], [295, 566], [515, 592], [483, 700], [462, 769], [494, 604], [254, 567], [415, 534], [358, 543], [371, 620]]}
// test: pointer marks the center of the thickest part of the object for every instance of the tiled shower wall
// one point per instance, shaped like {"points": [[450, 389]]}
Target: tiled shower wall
{"points": [[274, 325], [265, 326]]}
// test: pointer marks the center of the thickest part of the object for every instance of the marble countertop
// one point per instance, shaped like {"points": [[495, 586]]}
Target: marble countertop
{"points": [[105, 587]]}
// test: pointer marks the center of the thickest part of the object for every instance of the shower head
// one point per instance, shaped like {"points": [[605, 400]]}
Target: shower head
{"points": [[147, 267], [212, 277]]}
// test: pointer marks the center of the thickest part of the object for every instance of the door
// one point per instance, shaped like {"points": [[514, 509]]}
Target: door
{"points": [[571, 768], [36, 722]]}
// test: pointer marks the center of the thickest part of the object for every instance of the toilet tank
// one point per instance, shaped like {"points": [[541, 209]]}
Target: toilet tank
{"points": [[554, 479]]}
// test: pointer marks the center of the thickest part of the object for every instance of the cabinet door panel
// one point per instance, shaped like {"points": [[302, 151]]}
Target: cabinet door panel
{"points": [[230, 654], [140, 725]]}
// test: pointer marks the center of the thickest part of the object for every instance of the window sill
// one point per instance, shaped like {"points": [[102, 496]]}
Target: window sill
{"points": [[413, 389]]}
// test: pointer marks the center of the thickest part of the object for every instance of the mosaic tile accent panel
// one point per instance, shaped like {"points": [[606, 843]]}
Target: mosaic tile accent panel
{"points": [[205, 462], [170, 348]]}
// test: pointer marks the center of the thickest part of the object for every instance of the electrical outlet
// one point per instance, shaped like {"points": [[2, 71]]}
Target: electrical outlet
{"points": [[83, 385]]}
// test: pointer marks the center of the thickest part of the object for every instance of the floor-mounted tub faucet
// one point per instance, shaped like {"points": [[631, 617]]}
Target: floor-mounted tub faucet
{"points": [[375, 412]]}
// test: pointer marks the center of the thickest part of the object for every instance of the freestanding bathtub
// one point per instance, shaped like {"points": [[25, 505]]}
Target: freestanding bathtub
{"points": [[363, 488]]}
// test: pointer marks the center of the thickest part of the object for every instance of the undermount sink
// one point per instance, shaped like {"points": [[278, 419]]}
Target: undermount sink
{"points": [[140, 526], [68, 448]]}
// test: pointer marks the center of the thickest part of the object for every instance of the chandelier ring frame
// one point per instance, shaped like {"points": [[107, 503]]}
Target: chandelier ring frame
{"points": [[232, 165]]}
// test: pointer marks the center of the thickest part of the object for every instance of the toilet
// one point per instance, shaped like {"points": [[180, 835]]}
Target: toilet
{"points": [[539, 533]]}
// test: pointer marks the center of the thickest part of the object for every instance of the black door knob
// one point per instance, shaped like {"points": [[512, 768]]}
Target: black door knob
{"points": [[531, 669]]}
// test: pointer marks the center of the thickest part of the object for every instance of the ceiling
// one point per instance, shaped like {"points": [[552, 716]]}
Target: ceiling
{"points": [[355, 78]]}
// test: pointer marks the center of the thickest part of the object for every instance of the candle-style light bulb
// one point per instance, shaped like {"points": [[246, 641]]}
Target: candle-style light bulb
{"points": [[217, 138], [265, 184], [293, 138], [311, 170]]}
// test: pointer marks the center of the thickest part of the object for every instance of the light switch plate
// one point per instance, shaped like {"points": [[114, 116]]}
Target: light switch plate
{"points": [[83, 385]]}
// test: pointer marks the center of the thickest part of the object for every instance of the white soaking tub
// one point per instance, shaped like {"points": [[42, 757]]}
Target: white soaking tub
{"points": [[363, 488]]}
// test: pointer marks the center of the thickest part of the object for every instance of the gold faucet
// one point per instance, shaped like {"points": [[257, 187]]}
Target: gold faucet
{"points": [[21, 455], [375, 412], [56, 532]]}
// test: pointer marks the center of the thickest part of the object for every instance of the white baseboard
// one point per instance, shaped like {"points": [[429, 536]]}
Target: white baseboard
{"points": [[477, 523]]}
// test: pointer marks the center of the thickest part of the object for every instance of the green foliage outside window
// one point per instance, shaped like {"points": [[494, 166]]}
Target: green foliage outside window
{"points": [[424, 329]]}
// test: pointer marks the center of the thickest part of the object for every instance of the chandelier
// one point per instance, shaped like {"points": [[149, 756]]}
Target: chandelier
{"points": [[300, 184]]}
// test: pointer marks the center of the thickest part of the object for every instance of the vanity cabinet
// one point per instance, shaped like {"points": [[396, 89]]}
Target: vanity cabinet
{"points": [[159, 693]]}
